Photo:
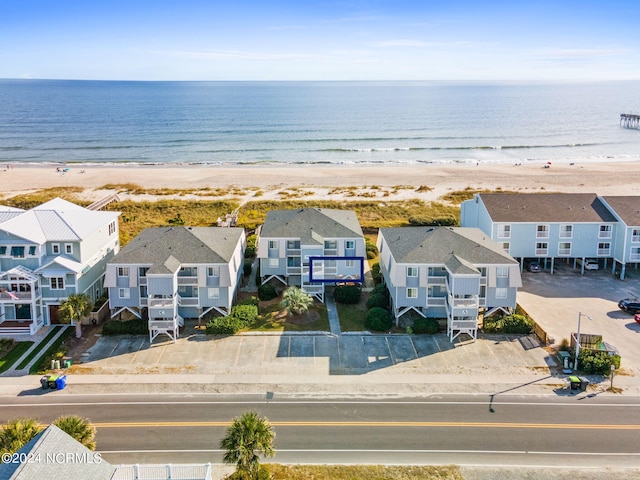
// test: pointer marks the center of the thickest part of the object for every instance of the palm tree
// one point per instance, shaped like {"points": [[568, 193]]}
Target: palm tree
{"points": [[75, 307], [79, 428], [246, 435], [296, 301], [15, 434]]}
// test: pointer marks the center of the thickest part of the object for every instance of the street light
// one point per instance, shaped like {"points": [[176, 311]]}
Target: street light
{"points": [[575, 363]]}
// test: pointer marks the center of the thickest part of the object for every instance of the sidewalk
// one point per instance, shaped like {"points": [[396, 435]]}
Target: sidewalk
{"points": [[14, 372]]}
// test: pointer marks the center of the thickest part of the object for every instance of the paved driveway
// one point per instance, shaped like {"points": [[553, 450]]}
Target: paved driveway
{"points": [[554, 301], [315, 355]]}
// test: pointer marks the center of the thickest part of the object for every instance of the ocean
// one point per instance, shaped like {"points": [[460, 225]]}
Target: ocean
{"points": [[57, 121]]}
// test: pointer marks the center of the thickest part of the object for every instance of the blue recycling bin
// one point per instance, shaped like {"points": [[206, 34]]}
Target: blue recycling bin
{"points": [[61, 382]]}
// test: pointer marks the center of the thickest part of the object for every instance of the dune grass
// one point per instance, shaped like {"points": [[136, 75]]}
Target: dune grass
{"points": [[364, 472], [30, 200]]}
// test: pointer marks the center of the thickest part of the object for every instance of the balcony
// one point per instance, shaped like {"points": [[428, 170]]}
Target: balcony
{"points": [[634, 257], [635, 238], [189, 301], [436, 301], [187, 280], [564, 251], [604, 252], [463, 302], [10, 296], [604, 234], [543, 234], [161, 302], [542, 252]]}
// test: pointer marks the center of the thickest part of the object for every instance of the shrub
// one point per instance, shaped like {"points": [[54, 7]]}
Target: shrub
{"points": [[378, 320], [370, 247], [371, 255], [378, 300], [224, 325], [247, 314], [518, 324], [433, 222], [137, 326], [249, 252], [381, 288], [249, 301], [247, 267], [597, 363], [267, 292], [348, 294], [426, 325], [375, 273]]}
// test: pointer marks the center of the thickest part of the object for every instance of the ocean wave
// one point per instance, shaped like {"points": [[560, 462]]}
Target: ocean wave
{"points": [[454, 148]]}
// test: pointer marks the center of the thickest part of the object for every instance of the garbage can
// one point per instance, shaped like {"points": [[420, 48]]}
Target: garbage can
{"points": [[574, 382], [584, 383], [66, 362], [52, 381], [44, 381], [61, 382]]}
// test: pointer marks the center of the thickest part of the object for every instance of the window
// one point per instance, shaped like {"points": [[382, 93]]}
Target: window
{"points": [[350, 244], [17, 252], [213, 293], [56, 283], [605, 231], [274, 263], [604, 248], [412, 293], [55, 248], [349, 263], [564, 248], [542, 248], [293, 261], [144, 293], [68, 248], [501, 293], [505, 246], [504, 231], [542, 231], [412, 271], [273, 244], [635, 254], [483, 271], [112, 228], [124, 293], [123, 271], [502, 272], [32, 250], [566, 231], [213, 271], [330, 244], [3, 250], [293, 244], [635, 236], [142, 271]]}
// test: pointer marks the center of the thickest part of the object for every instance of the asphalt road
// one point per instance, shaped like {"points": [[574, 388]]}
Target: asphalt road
{"points": [[583, 430]]}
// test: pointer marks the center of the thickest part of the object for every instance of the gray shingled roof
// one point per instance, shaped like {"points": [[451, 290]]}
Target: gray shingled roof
{"points": [[308, 223], [628, 208], [459, 248], [48, 450], [167, 247], [546, 207]]}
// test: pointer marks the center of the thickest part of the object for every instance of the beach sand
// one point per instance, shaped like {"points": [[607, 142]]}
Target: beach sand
{"points": [[322, 181]]}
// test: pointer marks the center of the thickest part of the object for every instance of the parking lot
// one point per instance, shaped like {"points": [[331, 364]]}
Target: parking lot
{"points": [[555, 302]]}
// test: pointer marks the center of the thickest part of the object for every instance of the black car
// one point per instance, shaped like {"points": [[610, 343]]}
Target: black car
{"points": [[630, 305], [534, 267]]}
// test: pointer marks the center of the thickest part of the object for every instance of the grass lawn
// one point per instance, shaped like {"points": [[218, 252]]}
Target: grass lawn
{"points": [[352, 317], [35, 352], [42, 364], [364, 472], [9, 358], [273, 319]]}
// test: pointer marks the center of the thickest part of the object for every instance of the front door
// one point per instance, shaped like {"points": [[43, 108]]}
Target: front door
{"points": [[53, 314]]}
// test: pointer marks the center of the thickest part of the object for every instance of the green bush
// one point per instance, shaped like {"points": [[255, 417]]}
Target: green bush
{"points": [[267, 292], [249, 252], [371, 255], [348, 294], [370, 247], [376, 274], [378, 300], [224, 325], [426, 325], [137, 326], [247, 314], [433, 222], [597, 363], [517, 324], [247, 267], [249, 301], [381, 288], [378, 320]]}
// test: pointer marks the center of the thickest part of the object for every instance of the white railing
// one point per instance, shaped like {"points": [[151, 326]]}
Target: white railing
{"points": [[543, 234], [463, 324], [163, 325], [187, 280], [541, 252], [463, 302], [604, 234], [294, 270], [564, 251], [436, 301], [161, 302], [635, 238], [634, 257], [189, 301], [604, 251], [13, 296]]}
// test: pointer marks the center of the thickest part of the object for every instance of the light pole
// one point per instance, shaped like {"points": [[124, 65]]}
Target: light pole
{"points": [[575, 363]]}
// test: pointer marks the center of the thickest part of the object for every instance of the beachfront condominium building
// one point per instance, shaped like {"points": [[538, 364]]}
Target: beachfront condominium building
{"points": [[545, 226], [48, 253], [447, 272], [172, 273], [626, 248], [311, 248]]}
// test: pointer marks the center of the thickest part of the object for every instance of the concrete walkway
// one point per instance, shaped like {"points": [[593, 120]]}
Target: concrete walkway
{"points": [[332, 313], [13, 372], [251, 285]]}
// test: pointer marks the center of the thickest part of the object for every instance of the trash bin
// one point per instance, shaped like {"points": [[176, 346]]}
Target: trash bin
{"points": [[61, 382], [574, 382], [44, 381], [52, 381], [66, 363], [584, 383]]}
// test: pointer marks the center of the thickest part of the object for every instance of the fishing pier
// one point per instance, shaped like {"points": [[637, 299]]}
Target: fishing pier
{"points": [[630, 120]]}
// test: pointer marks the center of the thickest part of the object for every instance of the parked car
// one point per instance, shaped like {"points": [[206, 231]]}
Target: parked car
{"points": [[589, 264], [534, 266], [630, 305]]}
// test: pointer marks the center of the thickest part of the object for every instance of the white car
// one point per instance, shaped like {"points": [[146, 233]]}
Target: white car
{"points": [[589, 264]]}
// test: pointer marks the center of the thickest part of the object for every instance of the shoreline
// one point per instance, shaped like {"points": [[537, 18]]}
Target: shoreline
{"points": [[319, 180]]}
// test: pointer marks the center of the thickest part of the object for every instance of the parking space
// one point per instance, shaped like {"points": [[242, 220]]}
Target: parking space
{"points": [[555, 302]]}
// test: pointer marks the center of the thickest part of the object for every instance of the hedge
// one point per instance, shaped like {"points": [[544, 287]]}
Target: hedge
{"points": [[267, 292], [597, 363], [347, 294], [378, 320], [426, 325], [518, 324], [378, 300], [137, 326]]}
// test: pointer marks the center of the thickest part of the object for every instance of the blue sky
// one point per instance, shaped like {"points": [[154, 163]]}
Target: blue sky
{"points": [[319, 40]]}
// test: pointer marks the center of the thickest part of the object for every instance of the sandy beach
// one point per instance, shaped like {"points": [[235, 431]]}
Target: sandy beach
{"points": [[327, 181]]}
